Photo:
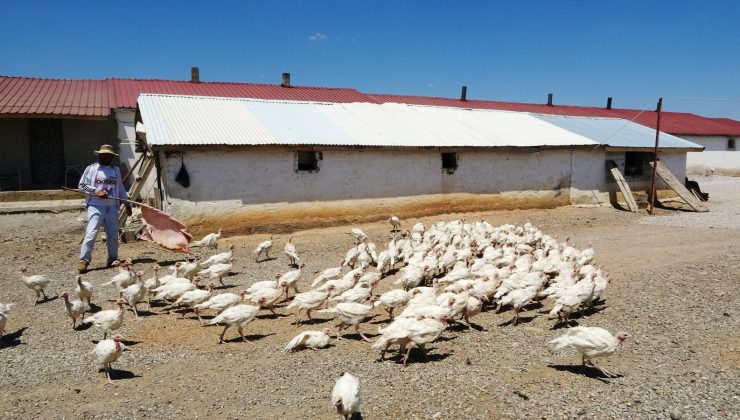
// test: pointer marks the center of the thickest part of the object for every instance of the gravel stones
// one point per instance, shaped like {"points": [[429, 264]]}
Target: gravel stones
{"points": [[674, 290]]}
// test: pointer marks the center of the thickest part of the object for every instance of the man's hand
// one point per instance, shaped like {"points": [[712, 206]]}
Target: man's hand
{"points": [[102, 194], [128, 210]]}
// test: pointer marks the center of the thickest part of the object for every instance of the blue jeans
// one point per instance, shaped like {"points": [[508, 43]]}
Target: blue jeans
{"points": [[97, 216]]}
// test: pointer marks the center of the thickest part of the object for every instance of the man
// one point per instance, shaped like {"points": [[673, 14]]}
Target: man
{"points": [[104, 181]]}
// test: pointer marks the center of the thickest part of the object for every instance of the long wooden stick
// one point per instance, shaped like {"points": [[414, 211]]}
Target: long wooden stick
{"points": [[123, 200]]}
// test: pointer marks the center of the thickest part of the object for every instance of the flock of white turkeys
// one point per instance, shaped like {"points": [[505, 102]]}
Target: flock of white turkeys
{"points": [[447, 273]]}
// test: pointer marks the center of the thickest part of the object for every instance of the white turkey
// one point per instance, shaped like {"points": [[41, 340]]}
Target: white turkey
{"points": [[518, 299], [395, 223], [221, 302], [193, 297], [134, 293], [328, 274], [75, 309], [109, 320], [239, 316], [309, 301], [340, 286], [125, 277], [108, 351], [345, 396], [174, 289], [271, 284], [369, 280], [267, 298], [423, 332], [152, 283], [37, 283], [218, 271], [384, 262], [350, 314], [84, 289], [208, 241], [395, 334], [411, 276], [350, 258], [358, 234], [265, 247], [590, 343], [356, 294], [474, 308], [393, 299], [190, 269], [221, 258], [291, 252], [4, 309], [313, 340], [290, 279]]}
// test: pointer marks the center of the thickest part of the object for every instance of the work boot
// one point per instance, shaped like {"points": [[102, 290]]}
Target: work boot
{"points": [[82, 266]]}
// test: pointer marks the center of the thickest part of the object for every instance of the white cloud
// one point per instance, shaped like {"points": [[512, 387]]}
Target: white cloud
{"points": [[430, 85], [318, 37]]}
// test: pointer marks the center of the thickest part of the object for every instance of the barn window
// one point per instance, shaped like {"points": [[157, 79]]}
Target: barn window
{"points": [[636, 163], [730, 144], [307, 160], [449, 162]]}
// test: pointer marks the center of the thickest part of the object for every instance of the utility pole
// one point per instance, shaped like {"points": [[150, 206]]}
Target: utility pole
{"points": [[653, 193]]}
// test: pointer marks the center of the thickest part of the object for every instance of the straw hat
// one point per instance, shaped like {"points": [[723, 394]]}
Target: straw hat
{"points": [[106, 149]]}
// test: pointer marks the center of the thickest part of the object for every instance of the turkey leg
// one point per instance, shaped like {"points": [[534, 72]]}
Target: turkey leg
{"points": [[221, 337], [241, 333]]}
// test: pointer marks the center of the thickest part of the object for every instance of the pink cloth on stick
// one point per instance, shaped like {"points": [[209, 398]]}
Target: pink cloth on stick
{"points": [[165, 231]]}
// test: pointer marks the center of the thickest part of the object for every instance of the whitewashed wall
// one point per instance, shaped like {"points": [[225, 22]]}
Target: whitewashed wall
{"points": [[245, 189], [716, 158], [126, 133], [266, 175]]}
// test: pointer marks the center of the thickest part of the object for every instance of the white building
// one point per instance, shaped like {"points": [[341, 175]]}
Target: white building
{"points": [[271, 165]]}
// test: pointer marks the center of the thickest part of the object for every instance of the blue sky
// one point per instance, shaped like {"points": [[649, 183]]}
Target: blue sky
{"points": [[582, 51]]}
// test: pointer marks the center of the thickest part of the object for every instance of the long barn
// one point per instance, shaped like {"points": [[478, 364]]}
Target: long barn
{"points": [[248, 164]]}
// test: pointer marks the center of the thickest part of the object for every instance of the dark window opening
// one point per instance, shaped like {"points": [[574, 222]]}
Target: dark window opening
{"points": [[636, 163], [449, 162], [730, 144], [307, 161]]}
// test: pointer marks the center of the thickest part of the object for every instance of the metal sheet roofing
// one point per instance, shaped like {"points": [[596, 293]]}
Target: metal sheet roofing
{"points": [[671, 122], [86, 98], [95, 98], [190, 120], [127, 91], [617, 132]]}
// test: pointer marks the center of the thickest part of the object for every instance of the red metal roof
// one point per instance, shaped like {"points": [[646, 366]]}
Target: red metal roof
{"points": [[128, 91], [670, 122], [23, 95], [96, 98]]}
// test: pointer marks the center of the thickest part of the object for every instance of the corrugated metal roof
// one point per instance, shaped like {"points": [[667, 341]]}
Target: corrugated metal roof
{"points": [[96, 98], [191, 120], [616, 132], [33, 96], [671, 122], [128, 90]]}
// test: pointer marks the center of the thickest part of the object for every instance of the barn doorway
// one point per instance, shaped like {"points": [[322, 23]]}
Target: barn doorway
{"points": [[47, 152]]}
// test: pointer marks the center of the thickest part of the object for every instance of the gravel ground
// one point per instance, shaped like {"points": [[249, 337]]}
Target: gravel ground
{"points": [[675, 276]]}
